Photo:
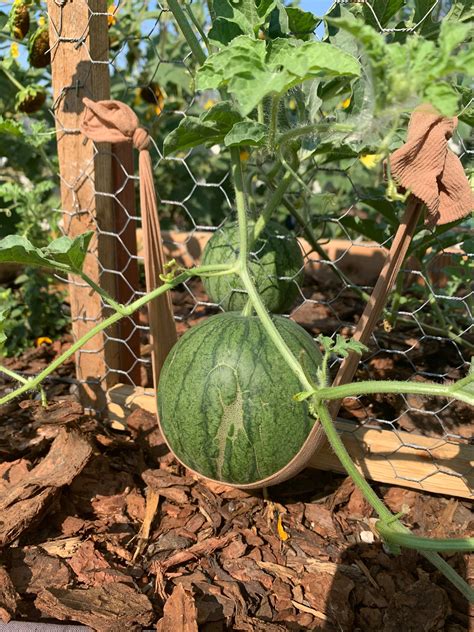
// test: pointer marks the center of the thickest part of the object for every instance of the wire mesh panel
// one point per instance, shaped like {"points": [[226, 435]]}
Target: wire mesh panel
{"points": [[335, 205]]}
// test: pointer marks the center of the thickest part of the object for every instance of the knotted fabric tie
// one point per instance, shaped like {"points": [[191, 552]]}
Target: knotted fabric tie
{"points": [[430, 170], [114, 122]]}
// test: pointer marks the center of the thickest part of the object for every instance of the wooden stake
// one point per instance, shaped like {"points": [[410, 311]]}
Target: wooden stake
{"points": [[79, 51]]}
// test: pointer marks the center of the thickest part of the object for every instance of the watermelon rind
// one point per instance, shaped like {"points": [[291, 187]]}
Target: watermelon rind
{"points": [[225, 398], [276, 264]]}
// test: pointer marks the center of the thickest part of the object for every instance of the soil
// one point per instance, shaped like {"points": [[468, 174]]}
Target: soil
{"points": [[102, 527]]}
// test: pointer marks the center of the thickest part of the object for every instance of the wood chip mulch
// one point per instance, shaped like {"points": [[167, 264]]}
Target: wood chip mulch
{"points": [[105, 529]]}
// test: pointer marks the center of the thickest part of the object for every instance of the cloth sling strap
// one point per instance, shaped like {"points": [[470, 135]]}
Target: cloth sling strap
{"points": [[427, 167], [114, 122]]}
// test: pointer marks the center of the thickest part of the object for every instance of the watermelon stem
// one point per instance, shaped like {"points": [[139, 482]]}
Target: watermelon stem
{"points": [[390, 528], [29, 384], [247, 282]]}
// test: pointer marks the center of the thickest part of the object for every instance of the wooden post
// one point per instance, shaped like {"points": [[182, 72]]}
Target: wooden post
{"points": [[79, 54], [126, 258]]}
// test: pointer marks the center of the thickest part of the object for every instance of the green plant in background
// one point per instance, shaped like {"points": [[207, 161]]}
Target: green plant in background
{"points": [[261, 57]]}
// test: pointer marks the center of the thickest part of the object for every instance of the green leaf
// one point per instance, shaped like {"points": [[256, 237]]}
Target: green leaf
{"points": [[247, 133], [250, 73], [384, 10], [301, 23], [231, 21], [452, 35], [209, 128], [61, 254], [8, 126], [444, 97]]}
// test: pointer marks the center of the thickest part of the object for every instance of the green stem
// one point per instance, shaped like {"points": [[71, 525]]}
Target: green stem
{"points": [[102, 293], [370, 387], [197, 26], [392, 528], [248, 284], [314, 128], [23, 380], [32, 383], [409, 541], [187, 31], [273, 120], [272, 204], [260, 113], [12, 79]]}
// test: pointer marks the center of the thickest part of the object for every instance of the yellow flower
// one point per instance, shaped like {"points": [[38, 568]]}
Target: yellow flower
{"points": [[346, 103], [43, 340], [14, 50], [282, 534], [244, 155], [370, 160], [292, 104], [111, 19], [41, 20], [209, 104]]}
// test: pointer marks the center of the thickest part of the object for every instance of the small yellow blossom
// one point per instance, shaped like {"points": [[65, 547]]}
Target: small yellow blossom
{"points": [[14, 50], [346, 103], [282, 534], [370, 160], [244, 155], [41, 20], [292, 104], [43, 340], [209, 104], [111, 19]]}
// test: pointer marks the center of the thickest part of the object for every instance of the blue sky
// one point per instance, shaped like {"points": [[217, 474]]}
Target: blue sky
{"points": [[318, 7]]}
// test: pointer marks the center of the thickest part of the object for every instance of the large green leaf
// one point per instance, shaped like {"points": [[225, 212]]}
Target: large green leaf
{"points": [[301, 23], [63, 254], [209, 128], [247, 133], [250, 72]]}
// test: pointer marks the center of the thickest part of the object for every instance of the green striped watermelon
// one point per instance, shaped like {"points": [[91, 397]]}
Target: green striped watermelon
{"points": [[276, 264], [225, 398]]}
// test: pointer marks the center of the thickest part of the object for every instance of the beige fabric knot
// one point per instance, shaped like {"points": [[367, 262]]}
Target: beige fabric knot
{"points": [[430, 170], [141, 139]]}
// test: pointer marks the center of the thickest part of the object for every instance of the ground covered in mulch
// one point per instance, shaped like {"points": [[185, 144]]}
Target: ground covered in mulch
{"points": [[103, 527]]}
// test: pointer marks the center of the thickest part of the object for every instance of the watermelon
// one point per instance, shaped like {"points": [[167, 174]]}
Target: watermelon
{"points": [[276, 265], [225, 398]]}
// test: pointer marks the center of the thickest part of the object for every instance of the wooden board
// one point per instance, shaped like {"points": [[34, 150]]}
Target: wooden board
{"points": [[79, 49], [397, 458]]}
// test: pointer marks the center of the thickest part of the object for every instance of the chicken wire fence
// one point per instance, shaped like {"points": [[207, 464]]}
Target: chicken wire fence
{"points": [[426, 332]]}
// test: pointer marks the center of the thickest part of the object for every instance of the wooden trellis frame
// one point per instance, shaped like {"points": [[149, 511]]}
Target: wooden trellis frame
{"points": [[97, 193]]}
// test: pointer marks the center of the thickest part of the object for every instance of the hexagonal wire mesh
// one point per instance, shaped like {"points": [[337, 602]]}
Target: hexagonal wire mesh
{"points": [[427, 329]]}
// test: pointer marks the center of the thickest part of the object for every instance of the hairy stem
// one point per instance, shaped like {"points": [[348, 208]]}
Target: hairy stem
{"points": [[307, 130], [355, 389], [187, 31]]}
